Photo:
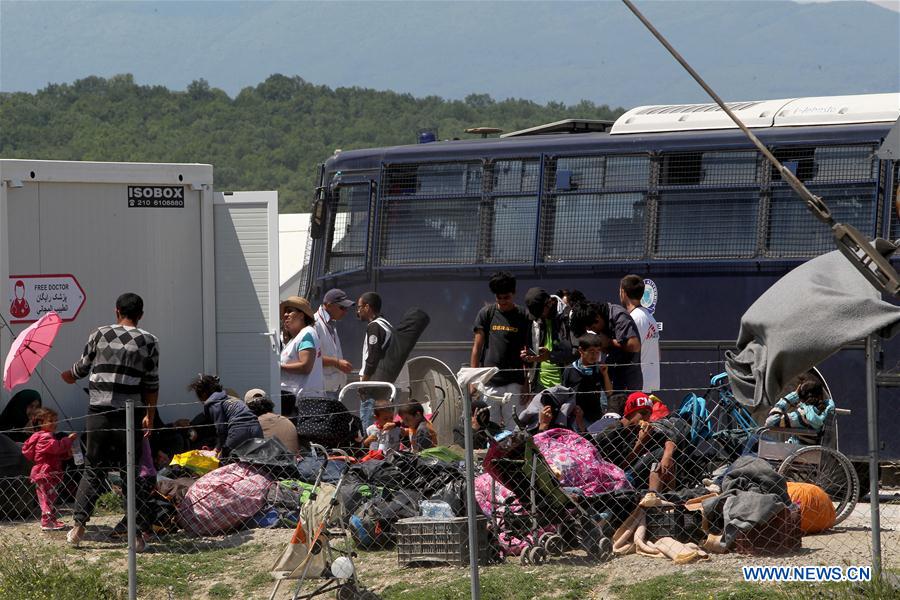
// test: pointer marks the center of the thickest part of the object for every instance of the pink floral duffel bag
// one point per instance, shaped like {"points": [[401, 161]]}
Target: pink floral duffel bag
{"points": [[223, 500], [578, 462]]}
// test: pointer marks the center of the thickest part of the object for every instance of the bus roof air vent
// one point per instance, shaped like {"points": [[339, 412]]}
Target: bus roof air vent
{"points": [[826, 110], [564, 126], [832, 110], [484, 131], [691, 117]]}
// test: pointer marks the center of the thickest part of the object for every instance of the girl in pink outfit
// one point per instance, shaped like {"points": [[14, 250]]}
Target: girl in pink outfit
{"points": [[47, 453]]}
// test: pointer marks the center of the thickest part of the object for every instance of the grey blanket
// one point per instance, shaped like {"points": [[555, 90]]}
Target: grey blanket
{"points": [[807, 316], [752, 493]]}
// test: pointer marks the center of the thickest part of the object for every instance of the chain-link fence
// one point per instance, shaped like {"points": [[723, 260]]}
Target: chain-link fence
{"points": [[612, 496]]}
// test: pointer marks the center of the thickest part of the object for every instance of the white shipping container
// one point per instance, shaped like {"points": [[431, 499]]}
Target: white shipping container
{"points": [[205, 263]]}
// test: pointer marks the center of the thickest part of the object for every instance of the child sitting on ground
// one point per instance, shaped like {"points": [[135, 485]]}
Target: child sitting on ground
{"points": [[421, 434], [47, 453], [383, 434]]}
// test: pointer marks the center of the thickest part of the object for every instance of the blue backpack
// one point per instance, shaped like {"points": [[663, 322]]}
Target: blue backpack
{"points": [[693, 410]]}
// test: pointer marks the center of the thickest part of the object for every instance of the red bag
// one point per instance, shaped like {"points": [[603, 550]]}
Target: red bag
{"points": [[660, 410], [223, 500]]}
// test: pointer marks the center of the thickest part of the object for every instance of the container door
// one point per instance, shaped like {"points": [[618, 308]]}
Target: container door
{"points": [[86, 240], [247, 320]]}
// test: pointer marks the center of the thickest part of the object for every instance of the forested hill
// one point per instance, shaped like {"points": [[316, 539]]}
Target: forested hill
{"points": [[270, 136]]}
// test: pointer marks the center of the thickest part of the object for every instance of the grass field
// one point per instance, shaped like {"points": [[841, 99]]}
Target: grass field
{"points": [[236, 567]]}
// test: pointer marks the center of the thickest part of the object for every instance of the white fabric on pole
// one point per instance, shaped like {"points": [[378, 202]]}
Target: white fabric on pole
{"points": [[468, 375]]}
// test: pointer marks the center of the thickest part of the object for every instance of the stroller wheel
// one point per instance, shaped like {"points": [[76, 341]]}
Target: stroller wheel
{"points": [[603, 549], [523, 558], [554, 544], [537, 556], [350, 592]]}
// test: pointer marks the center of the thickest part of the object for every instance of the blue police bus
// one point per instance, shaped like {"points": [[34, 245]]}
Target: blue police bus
{"points": [[675, 194]]}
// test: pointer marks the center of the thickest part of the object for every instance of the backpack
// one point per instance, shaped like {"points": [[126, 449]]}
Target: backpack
{"points": [[372, 524], [693, 410]]}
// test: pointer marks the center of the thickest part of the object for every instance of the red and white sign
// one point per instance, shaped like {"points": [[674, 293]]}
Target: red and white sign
{"points": [[31, 296]]}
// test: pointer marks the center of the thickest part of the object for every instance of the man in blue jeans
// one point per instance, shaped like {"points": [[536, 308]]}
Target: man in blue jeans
{"points": [[122, 363], [378, 337]]}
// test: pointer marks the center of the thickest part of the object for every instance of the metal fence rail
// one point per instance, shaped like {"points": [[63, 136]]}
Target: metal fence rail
{"points": [[600, 501]]}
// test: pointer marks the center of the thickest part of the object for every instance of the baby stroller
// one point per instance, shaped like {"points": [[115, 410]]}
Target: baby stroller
{"points": [[539, 511]]}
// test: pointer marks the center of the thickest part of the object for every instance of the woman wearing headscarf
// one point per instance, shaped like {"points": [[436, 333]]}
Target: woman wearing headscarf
{"points": [[15, 420]]}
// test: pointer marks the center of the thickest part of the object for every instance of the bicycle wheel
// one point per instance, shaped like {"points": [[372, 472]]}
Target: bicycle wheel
{"points": [[828, 469]]}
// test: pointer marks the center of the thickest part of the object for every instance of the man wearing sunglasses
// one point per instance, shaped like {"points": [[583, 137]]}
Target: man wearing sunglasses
{"points": [[334, 307]]}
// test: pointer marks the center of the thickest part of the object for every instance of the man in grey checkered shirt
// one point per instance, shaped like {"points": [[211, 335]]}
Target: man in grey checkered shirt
{"points": [[122, 362]]}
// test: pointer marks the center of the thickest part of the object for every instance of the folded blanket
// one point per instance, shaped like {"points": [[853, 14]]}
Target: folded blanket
{"points": [[631, 537], [805, 317]]}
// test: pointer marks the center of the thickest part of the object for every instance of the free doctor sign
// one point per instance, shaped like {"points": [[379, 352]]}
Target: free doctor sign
{"points": [[32, 296]]}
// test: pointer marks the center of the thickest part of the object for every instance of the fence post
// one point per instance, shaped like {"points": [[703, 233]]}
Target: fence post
{"points": [[471, 505], [130, 501], [872, 416]]}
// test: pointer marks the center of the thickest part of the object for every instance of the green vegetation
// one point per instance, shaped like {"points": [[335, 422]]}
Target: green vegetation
{"points": [[713, 586], [182, 573], [221, 590], [110, 503], [270, 136], [507, 582], [32, 574]]}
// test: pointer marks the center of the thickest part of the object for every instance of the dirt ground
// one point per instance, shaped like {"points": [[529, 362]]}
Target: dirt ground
{"points": [[254, 552]]}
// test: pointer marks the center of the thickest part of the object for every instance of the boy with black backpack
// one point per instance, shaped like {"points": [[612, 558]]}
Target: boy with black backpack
{"points": [[502, 330]]}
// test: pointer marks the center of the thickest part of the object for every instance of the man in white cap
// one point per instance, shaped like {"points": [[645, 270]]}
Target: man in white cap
{"points": [[334, 307]]}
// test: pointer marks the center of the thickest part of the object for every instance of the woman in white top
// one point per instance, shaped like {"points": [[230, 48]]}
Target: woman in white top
{"points": [[301, 358]]}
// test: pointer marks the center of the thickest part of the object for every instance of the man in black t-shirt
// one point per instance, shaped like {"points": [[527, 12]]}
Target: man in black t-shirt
{"points": [[502, 331]]}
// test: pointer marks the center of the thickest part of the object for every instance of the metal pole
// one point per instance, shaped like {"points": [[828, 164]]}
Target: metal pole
{"points": [[471, 506], [855, 246], [130, 501], [872, 416]]}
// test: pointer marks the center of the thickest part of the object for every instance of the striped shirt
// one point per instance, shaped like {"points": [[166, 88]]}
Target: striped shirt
{"points": [[122, 362]]}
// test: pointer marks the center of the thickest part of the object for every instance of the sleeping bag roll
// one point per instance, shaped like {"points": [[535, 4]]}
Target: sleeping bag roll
{"points": [[816, 509], [406, 334]]}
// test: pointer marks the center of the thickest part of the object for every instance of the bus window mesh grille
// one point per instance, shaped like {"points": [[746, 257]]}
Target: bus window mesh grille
{"points": [[350, 229], [595, 209], [707, 224], [431, 214], [843, 176]]}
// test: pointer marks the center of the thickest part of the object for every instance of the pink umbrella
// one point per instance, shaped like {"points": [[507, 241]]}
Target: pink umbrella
{"points": [[29, 348]]}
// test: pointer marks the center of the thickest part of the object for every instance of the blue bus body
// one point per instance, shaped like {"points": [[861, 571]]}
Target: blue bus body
{"points": [[699, 212]]}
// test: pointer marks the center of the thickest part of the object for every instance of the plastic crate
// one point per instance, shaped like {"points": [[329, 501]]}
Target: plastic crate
{"points": [[440, 540], [779, 535], [674, 522]]}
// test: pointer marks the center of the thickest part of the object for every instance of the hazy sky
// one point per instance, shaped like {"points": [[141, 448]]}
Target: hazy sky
{"points": [[538, 50]]}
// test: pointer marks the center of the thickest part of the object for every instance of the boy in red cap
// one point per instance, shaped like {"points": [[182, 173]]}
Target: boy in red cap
{"points": [[649, 453], [618, 442]]}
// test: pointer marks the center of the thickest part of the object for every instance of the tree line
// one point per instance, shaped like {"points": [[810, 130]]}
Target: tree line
{"points": [[271, 136]]}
